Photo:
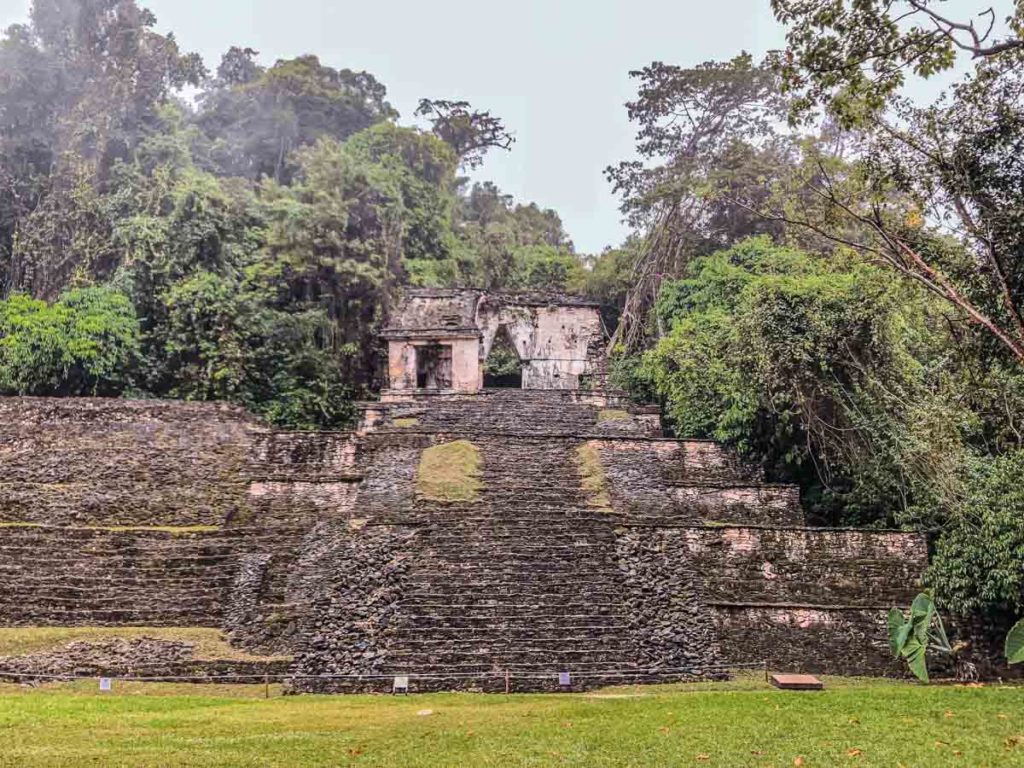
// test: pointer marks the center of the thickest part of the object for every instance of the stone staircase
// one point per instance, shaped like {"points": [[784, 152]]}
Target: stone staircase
{"points": [[121, 513], [533, 413], [525, 580]]}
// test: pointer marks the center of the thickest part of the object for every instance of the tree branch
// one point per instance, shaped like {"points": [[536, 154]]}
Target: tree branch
{"points": [[977, 45]]}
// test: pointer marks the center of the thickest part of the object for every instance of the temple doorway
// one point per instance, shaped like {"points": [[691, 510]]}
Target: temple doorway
{"points": [[503, 367], [434, 366]]}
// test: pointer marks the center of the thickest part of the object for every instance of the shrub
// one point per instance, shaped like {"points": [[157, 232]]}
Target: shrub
{"points": [[83, 344]]}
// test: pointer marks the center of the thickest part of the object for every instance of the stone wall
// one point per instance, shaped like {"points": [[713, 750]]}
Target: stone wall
{"points": [[353, 582], [154, 513], [670, 621], [821, 640], [669, 482], [801, 599], [118, 512], [117, 462], [806, 566], [66, 577]]}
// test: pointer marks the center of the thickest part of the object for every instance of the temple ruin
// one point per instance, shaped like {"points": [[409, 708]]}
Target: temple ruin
{"points": [[468, 536], [442, 340]]}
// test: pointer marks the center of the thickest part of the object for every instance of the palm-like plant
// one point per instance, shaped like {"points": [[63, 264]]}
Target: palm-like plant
{"points": [[913, 637]]}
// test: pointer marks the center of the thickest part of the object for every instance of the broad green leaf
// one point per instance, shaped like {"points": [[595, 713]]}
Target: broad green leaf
{"points": [[923, 606], [914, 652], [1015, 643], [922, 610], [896, 623], [902, 636]]}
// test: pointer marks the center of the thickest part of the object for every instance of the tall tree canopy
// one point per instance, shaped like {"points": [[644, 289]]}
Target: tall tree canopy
{"points": [[955, 164], [890, 401], [245, 247]]}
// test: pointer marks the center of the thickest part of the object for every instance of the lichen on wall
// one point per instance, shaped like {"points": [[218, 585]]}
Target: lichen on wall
{"points": [[449, 472], [592, 477]]}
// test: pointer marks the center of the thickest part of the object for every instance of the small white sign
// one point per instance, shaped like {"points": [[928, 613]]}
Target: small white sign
{"points": [[564, 679], [105, 684]]}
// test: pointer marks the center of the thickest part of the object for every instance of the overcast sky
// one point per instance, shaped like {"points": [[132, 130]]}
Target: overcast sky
{"points": [[555, 70]]}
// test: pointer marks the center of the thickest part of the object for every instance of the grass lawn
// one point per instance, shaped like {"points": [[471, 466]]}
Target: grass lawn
{"points": [[853, 723]]}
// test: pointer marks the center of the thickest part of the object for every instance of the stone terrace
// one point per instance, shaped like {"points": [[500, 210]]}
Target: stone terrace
{"points": [[693, 564], [319, 544]]}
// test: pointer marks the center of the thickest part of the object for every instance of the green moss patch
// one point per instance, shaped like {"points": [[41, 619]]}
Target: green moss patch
{"points": [[592, 477], [181, 530], [612, 415], [209, 643], [450, 472], [406, 423], [177, 530]]}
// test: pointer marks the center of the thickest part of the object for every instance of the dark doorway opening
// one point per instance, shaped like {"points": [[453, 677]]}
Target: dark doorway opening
{"points": [[503, 367], [434, 366]]}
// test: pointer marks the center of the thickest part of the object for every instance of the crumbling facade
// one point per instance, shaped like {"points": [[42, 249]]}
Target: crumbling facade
{"points": [[590, 544], [440, 340]]}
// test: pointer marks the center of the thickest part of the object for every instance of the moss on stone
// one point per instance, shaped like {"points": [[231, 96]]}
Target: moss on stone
{"points": [[450, 472], [592, 477], [210, 644], [406, 423], [177, 530], [612, 415]]}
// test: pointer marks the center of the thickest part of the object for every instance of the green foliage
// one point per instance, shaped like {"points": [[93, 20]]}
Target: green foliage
{"points": [[255, 119], [421, 170], [810, 365], [83, 344], [222, 343], [979, 557], [608, 279], [951, 159], [920, 635], [828, 44], [470, 133], [257, 238], [503, 360], [514, 247]]}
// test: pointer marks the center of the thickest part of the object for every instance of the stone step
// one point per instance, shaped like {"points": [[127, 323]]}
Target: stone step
{"points": [[555, 518], [525, 528], [101, 598], [106, 571], [501, 658], [458, 575], [523, 545], [516, 595], [45, 617], [548, 567], [468, 621], [586, 634], [495, 608]]}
